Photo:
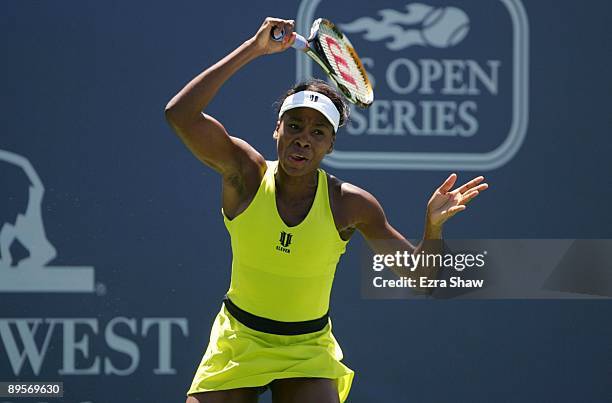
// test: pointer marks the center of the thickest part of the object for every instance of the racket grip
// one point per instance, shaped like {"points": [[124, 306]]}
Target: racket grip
{"points": [[300, 42]]}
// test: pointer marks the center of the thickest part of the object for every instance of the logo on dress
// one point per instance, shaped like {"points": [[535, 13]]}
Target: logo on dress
{"points": [[285, 241]]}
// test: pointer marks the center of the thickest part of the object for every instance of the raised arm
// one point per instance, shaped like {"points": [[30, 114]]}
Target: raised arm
{"points": [[369, 217], [202, 134], [370, 220]]}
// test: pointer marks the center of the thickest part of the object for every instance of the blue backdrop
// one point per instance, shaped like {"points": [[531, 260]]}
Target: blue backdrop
{"points": [[82, 93]]}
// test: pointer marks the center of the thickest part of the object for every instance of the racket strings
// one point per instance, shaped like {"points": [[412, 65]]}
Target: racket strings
{"points": [[341, 58]]}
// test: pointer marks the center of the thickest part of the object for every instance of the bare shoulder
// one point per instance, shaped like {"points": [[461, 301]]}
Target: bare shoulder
{"points": [[352, 203], [358, 209], [240, 184], [250, 169], [251, 154], [351, 195]]}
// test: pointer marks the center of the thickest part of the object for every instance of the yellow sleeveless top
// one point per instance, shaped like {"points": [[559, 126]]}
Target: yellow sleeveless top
{"points": [[280, 272]]}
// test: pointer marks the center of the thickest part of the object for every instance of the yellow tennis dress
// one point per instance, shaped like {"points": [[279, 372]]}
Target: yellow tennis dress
{"points": [[281, 282]]}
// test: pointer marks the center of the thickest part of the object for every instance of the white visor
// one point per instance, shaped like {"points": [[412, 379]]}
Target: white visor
{"points": [[314, 100]]}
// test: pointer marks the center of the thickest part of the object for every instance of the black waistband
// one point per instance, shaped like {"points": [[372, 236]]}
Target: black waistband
{"points": [[274, 326]]}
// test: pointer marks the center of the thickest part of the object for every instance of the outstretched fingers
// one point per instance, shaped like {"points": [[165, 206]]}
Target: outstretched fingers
{"points": [[482, 187], [455, 209], [469, 185], [448, 183], [467, 197]]}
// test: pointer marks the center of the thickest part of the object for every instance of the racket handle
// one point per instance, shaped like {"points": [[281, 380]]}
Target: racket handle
{"points": [[300, 42]]}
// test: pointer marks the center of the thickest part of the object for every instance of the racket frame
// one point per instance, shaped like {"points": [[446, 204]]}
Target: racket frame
{"points": [[312, 47], [315, 52]]}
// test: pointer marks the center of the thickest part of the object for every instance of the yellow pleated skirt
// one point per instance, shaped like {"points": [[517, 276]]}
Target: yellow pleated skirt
{"points": [[238, 356]]}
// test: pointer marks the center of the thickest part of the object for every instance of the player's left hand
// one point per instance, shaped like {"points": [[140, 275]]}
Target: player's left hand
{"points": [[445, 203]]}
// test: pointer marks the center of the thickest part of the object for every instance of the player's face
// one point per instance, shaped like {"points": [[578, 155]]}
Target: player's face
{"points": [[304, 136]]}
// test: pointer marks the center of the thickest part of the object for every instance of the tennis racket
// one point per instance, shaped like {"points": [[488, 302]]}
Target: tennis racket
{"points": [[335, 54]]}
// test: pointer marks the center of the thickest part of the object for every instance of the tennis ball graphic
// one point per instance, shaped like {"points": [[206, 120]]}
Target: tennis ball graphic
{"points": [[444, 27]]}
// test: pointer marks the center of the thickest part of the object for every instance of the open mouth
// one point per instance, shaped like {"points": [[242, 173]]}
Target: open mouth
{"points": [[297, 157]]}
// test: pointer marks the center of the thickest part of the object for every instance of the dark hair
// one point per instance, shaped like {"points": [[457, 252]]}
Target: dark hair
{"points": [[320, 86]]}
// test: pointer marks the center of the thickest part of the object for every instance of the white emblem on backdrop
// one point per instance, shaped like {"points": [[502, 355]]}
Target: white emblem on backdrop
{"points": [[29, 340], [451, 107], [32, 274], [420, 25]]}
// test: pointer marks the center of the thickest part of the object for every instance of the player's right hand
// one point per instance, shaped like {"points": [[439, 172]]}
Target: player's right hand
{"points": [[263, 38]]}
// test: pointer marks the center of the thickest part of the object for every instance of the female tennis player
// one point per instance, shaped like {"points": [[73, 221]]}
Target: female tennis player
{"points": [[289, 221]]}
